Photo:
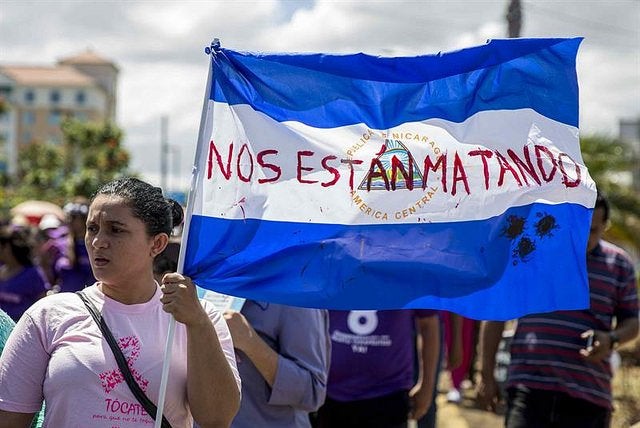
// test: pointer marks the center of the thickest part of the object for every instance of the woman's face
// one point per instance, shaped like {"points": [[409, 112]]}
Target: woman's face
{"points": [[119, 248]]}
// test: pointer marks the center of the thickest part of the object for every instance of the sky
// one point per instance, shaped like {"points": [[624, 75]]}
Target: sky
{"points": [[158, 47]]}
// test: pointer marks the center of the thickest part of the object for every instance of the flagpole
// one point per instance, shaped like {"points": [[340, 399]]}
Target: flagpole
{"points": [[210, 50]]}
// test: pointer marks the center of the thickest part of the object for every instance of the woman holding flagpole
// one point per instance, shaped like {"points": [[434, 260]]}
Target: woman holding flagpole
{"points": [[96, 357]]}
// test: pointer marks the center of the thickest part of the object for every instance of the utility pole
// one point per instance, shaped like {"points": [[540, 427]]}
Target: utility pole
{"points": [[514, 19], [175, 171], [164, 152]]}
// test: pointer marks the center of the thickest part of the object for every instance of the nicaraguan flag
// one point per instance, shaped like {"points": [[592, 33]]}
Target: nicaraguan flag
{"points": [[450, 181]]}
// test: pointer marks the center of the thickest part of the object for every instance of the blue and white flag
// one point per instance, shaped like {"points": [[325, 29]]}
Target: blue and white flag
{"points": [[450, 181]]}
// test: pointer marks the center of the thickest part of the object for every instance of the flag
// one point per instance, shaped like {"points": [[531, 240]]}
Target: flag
{"points": [[451, 181]]}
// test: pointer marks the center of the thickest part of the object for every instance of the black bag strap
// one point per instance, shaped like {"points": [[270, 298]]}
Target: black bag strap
{"points": [[142, 398]]}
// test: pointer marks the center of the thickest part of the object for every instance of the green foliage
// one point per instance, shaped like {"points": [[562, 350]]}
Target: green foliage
{"points": [[39, 171], [607, 159], [605, 155], [91, 154]]}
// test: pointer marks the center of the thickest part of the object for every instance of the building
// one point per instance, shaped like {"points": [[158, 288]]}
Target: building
{"points": [[35, 99]]}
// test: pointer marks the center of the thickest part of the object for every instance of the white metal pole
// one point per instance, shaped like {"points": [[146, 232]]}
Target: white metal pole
{"points": [[195, 179]]}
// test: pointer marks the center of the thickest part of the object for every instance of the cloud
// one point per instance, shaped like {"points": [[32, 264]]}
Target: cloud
{"points": [[158, 47]]}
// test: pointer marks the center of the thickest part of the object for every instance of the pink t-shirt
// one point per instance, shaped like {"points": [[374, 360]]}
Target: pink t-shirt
{"points": [[57, 350]]}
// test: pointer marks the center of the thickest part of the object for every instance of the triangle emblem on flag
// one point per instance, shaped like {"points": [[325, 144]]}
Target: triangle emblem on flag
{"points": [[393, 149]]}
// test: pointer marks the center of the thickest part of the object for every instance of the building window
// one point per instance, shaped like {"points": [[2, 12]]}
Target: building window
{"points": [[81, 98], [81, 116], [5, 95], [27, 137], [55, 117], [30, 97], [28, 118], [54, 97]]}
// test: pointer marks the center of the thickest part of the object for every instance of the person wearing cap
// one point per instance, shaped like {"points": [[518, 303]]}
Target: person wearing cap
{"points": [[50, 246], [73, 270]]}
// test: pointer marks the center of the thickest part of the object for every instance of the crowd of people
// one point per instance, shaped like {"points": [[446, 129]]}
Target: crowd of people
{"points": [[43, 257], [92, 350]]}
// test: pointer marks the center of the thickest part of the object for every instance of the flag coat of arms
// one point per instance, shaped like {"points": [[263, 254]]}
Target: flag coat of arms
{"points": [[450, 181]]}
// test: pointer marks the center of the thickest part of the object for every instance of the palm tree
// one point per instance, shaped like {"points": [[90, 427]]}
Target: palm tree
{"points": [[609, 161]]}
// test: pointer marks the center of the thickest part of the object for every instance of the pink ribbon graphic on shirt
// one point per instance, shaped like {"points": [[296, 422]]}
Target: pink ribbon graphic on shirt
{"points": [[130, 347]]}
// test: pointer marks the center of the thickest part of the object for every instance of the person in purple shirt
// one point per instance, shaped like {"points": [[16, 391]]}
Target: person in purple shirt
{"points": [[283, 356], [74, 269], [21, 283], [50, 246], [372, 381]]}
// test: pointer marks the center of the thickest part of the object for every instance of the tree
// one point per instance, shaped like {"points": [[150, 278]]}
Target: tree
{"points": [[39, 171], [91, 154], [608, 160]]}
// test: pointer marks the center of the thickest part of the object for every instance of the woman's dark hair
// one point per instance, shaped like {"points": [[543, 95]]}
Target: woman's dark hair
{"points": [[147, 203], [19, 240]]}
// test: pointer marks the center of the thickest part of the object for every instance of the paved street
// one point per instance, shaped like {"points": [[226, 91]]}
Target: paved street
{"points": [[465, 415]]}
